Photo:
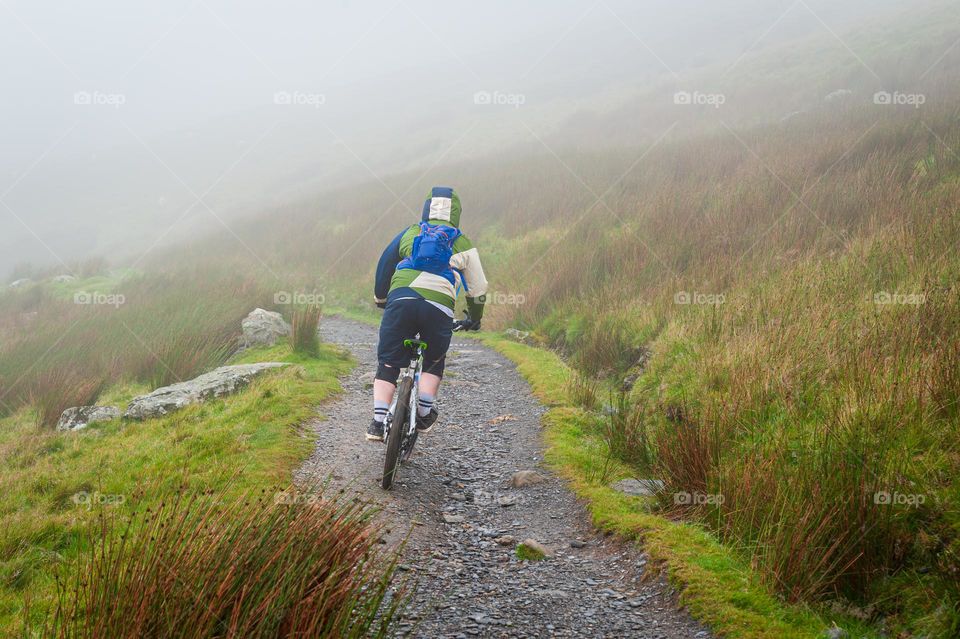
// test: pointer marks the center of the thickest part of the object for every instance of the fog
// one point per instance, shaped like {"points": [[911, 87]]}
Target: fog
{"points": [[127, 125]]}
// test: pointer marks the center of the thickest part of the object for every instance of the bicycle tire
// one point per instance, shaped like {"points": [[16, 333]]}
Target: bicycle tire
{"points": [[391, 463], [406, 448]]}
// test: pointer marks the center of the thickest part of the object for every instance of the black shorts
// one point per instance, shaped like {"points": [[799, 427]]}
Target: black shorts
{"points": [[404, 319]]}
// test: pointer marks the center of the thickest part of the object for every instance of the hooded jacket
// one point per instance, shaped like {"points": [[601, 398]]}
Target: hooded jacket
{"points": [[441, 207]]}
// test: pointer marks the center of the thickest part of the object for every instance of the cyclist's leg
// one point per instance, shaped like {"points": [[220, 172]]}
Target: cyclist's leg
{"points": [[436, 329], [398, 324], [430, 384]]}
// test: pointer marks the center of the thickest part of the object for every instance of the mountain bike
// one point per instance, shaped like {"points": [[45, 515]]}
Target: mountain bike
{"points": [[400, 426]]}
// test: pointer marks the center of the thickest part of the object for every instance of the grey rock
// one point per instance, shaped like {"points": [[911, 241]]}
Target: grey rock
{"points": [[263, 328], [60, 279], [638, 487], [524, 478], [482, 497], [453, 519], [217, 383], [643, 358], [81, 416], [367, 379], [576, 543], [518, 335], [835, 632], [20, 283]]}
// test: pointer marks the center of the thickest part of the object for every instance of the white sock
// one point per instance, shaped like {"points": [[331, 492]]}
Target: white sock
{"points": [[380, 411], [424, 405]]}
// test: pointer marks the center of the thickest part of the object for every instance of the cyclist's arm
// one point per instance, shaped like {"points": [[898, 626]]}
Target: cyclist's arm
{"points": [[467, 261], [386, 268]]}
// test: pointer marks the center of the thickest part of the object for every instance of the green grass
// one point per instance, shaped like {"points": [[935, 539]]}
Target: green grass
{"points": [[108, 282], [528, 553], [368, 315], [249, 442], [718, 586]]}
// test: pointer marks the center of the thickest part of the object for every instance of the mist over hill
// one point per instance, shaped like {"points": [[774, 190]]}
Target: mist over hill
{"points": [[125, 128]]}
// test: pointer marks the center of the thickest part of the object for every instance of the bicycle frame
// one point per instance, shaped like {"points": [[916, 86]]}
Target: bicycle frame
{"points": [[414, 370]]}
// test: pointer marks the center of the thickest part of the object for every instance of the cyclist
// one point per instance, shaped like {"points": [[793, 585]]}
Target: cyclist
{"points": [[418, 278]]}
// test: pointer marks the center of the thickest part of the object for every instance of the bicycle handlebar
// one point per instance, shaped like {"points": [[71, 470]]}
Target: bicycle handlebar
{"points": [[466, 324]]}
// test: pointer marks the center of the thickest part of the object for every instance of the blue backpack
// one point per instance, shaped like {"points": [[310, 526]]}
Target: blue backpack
{"points": [[432, 250]]}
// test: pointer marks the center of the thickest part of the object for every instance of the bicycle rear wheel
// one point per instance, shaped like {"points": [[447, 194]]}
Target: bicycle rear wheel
{"points": [[398, 428]]}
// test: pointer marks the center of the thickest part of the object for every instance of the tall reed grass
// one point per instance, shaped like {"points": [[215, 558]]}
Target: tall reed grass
{"points": [[305, 336], [262, 566]]}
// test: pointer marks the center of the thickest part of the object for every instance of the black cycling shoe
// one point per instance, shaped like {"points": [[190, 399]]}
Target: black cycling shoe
{"points": [[375, 431], [424, 424]]}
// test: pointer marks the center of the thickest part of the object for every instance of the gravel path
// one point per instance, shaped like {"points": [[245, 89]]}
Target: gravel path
{"points": [[464, 520]]}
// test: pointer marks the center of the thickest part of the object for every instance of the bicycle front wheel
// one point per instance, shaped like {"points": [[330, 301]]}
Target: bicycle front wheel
{"points": [[391, 463]]}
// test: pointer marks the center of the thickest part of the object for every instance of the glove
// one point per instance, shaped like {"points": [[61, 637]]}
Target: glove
{"points": [[467, 324]]}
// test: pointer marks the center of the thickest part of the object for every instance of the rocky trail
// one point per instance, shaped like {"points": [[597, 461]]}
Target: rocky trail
{"points": [[464, 518]]}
